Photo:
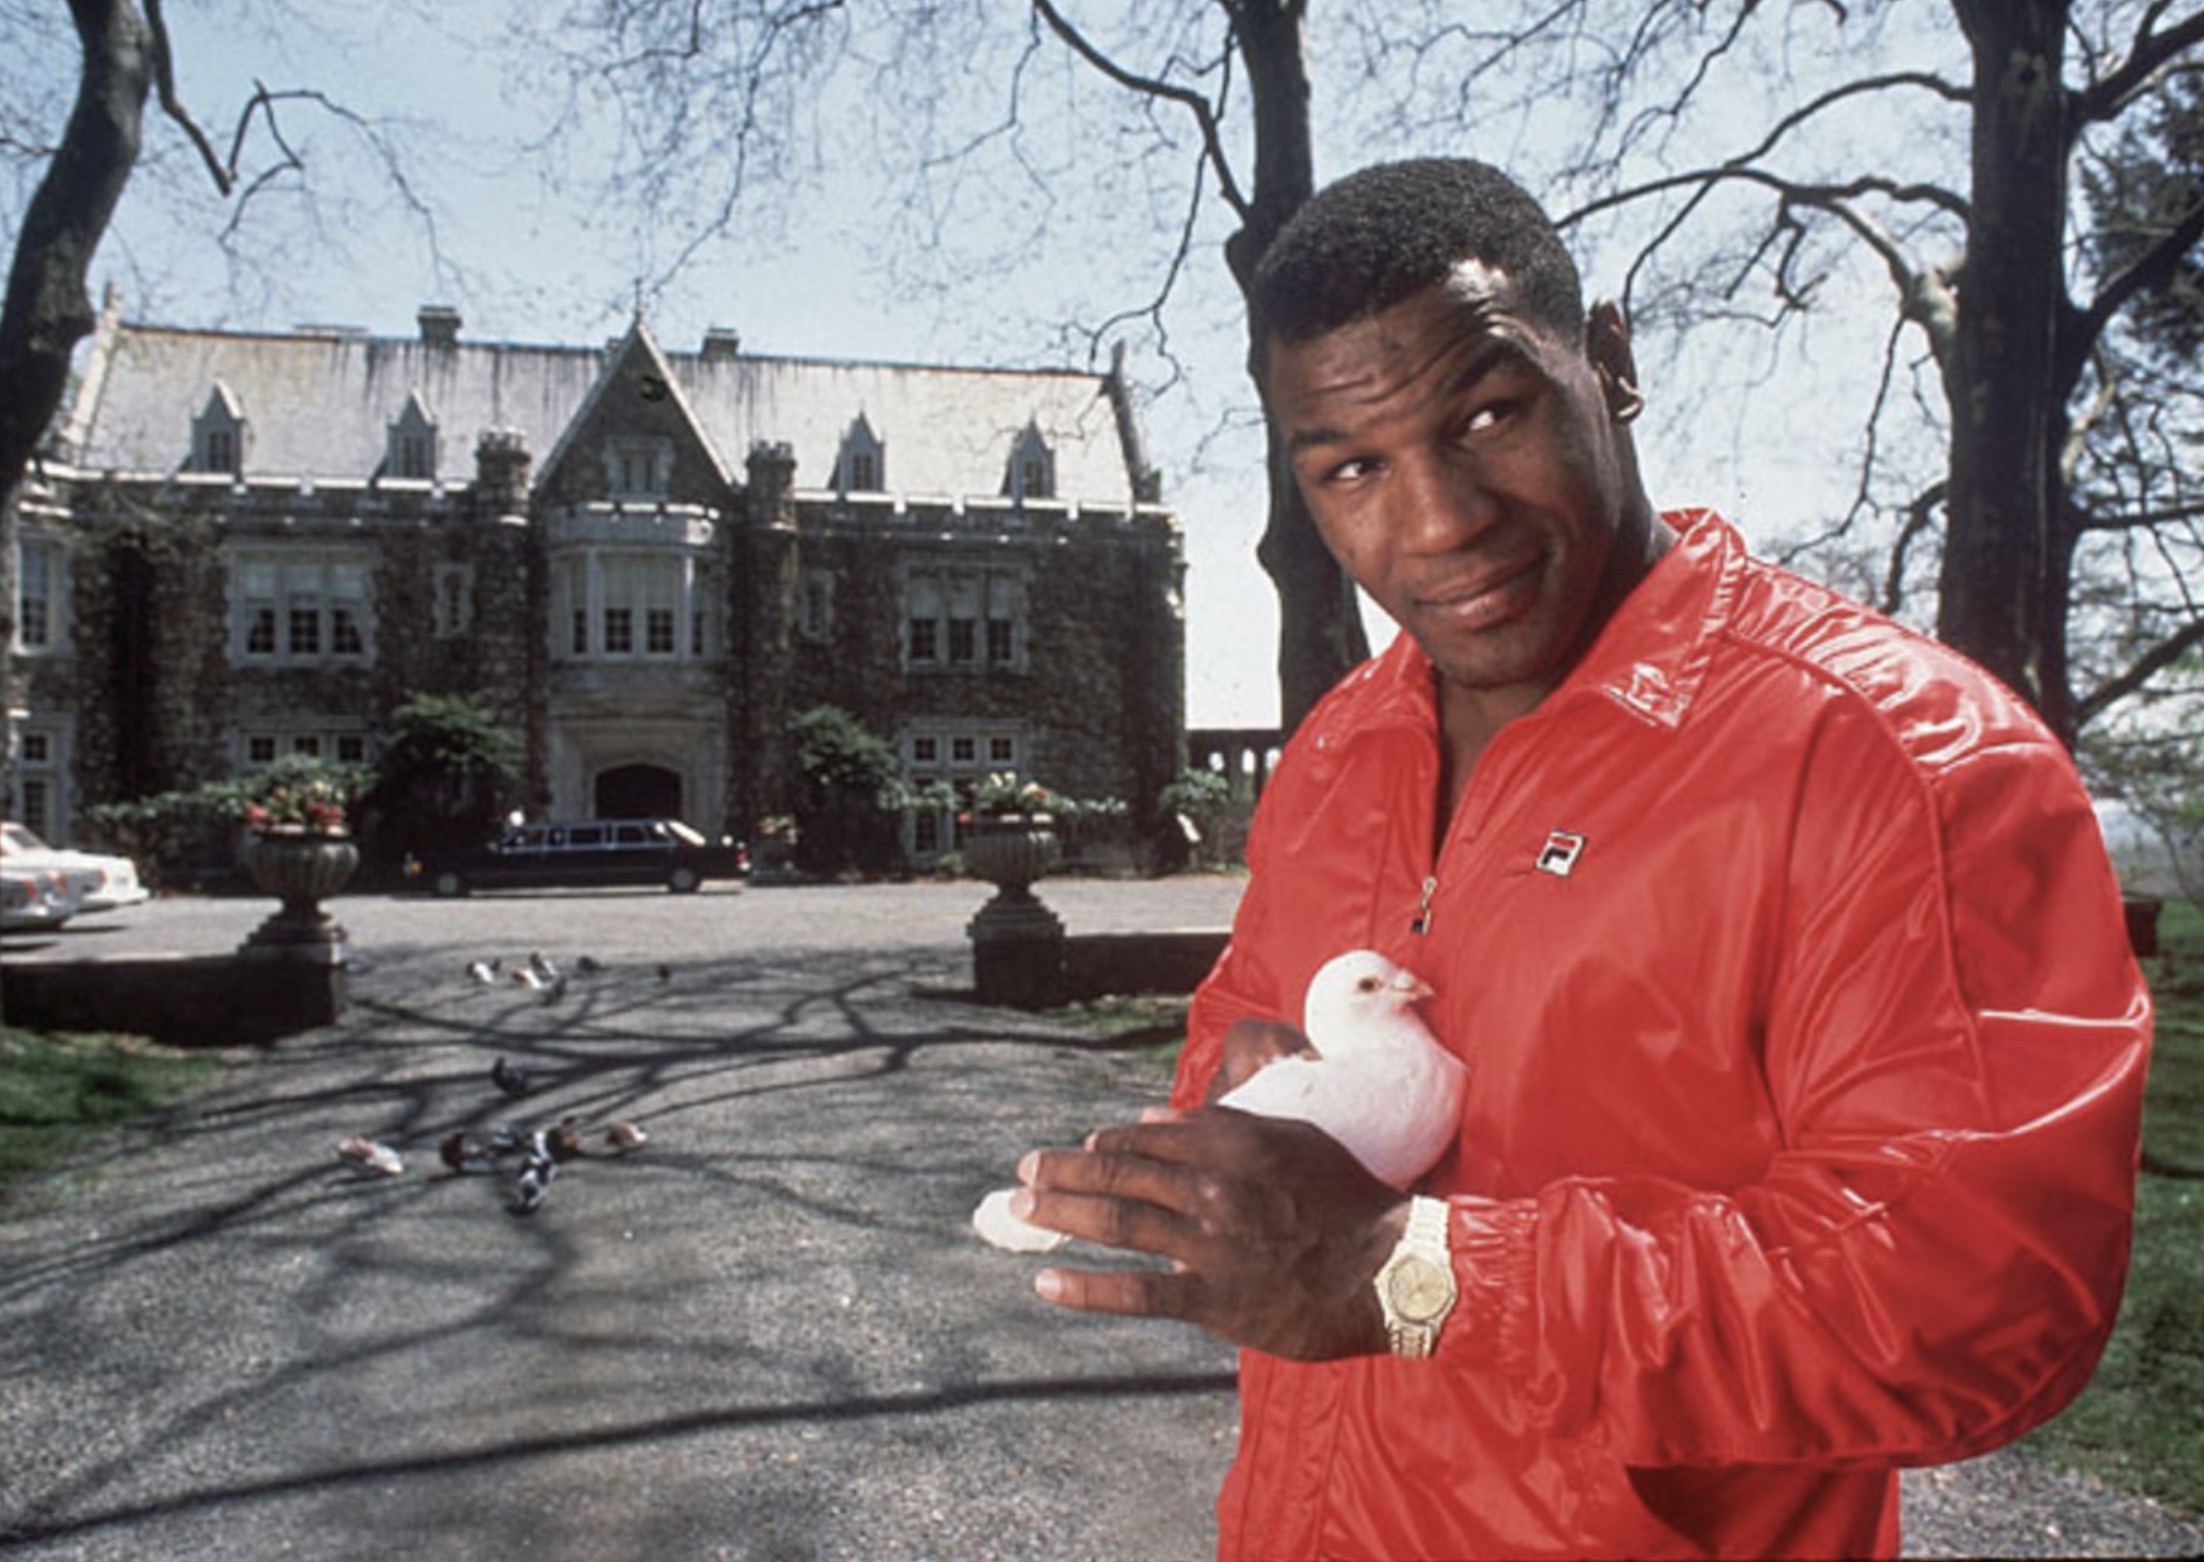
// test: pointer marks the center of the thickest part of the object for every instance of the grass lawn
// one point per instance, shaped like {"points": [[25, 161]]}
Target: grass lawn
{"points": [[55, 1090], [2140, 1423]]}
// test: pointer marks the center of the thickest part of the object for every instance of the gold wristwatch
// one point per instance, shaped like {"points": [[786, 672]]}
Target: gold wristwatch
{"points": [[1416, 1287]]}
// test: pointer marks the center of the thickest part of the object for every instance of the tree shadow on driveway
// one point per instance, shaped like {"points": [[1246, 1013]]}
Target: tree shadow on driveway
{"points": [[766, 1332]]}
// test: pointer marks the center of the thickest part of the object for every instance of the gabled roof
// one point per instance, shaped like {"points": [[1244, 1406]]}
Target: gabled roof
{"points": [[634, 362], [321, 403]]}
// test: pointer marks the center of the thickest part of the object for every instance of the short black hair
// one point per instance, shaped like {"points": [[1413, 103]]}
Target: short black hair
{"points": [[1367, 242]]}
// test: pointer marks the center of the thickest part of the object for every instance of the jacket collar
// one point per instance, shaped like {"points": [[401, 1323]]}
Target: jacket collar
{"points": [[1650, 659]]}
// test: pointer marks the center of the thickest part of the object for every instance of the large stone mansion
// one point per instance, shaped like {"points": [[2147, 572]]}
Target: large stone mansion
{"points": [[242, 546]]}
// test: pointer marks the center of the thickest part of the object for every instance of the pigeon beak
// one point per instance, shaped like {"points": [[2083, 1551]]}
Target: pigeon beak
{"points": [[1414, 986]]}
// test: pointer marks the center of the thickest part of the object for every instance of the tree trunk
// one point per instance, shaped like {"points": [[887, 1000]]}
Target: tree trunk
{"points": [[2002, 593], [47, 309], [1320, 634]]}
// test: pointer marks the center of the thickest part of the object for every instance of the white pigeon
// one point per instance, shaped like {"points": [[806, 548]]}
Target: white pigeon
{"points": [[369, 1155], [1377, 1081]]}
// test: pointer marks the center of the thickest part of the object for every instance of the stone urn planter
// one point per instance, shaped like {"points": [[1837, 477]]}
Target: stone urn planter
{"points": [[1017, 943], [301, 868], [1010, 851]]}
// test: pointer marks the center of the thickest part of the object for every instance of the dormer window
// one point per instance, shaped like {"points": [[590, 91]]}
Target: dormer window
{"points": [[218, 434], [1032, 472], [639, 468], [862, 466], [411, 449]]}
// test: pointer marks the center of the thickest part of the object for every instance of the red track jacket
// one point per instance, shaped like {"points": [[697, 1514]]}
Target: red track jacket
{"points": [[1806, 1058]]}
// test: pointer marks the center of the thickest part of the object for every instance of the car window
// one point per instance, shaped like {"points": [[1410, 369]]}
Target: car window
{"points": [[585, 835]]}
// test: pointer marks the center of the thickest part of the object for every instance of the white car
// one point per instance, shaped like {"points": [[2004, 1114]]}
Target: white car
{"points": [[34, 898], [99, 882]]}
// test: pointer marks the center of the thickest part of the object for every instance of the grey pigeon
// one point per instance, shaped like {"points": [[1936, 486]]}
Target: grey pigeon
{"points": [[509, 1079]]}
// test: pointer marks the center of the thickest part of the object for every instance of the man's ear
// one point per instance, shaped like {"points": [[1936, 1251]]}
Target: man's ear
{"points": [[1607, 346]]}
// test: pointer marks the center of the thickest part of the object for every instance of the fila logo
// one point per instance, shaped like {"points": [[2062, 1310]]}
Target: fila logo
{"points": [[1558, 856]]}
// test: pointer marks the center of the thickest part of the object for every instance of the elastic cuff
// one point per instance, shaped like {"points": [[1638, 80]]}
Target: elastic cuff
{"points": [[1495, 1264]]}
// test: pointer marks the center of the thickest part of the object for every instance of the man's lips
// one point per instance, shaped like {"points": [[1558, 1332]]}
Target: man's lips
{"points": [[1484, 599]]}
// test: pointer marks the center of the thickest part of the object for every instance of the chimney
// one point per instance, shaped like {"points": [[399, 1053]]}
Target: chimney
{"points": [[721, 343], [439, 325], [501, 474]]}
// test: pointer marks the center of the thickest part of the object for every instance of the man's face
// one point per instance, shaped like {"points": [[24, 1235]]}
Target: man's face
{"points": [[1462, 463]]}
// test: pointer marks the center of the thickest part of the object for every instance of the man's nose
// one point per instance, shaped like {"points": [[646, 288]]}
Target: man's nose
{"points": [[1444, 505]]}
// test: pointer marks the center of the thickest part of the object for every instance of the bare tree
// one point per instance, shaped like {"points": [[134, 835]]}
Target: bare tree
{"points": [[126, 58], [1320, 632], [2013, 327], [46, 310]]}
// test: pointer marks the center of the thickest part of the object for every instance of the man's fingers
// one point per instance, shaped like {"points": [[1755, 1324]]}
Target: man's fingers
{"points": [[1250, 1045], [1142, 1293], [1171, 1140], [1119, 1163], [1107, 1220]]}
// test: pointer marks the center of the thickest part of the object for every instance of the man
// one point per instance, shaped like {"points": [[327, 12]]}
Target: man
{"points": [[1805, 1046]]}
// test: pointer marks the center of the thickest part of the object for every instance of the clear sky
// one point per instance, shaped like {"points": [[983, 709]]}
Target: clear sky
{"points": [[984, 259]]}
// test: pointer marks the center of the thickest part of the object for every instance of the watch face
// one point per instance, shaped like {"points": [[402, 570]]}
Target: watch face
{"points": [[1419, 1289]]}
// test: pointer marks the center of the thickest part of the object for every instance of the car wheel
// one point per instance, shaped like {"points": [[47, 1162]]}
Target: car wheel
{"points": [[450, 884], [683, 881]]}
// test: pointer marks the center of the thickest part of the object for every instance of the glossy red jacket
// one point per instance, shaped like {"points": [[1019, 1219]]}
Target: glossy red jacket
{"points": [[1806, 1058]]}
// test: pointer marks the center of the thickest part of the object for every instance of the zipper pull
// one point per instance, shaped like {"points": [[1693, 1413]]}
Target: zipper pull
{"points": [[1422, 920]]}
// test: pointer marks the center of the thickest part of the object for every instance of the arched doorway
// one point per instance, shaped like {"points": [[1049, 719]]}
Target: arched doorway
{"points": [[638, 792]]}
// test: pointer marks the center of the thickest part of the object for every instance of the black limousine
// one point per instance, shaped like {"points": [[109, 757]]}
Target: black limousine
{"points": [[584, 854]]}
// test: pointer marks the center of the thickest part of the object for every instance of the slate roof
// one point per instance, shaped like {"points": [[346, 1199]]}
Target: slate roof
{"points": [[320, 403]]}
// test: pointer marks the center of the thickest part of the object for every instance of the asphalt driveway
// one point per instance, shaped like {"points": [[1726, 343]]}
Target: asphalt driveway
{"points": [[765, 1334]]}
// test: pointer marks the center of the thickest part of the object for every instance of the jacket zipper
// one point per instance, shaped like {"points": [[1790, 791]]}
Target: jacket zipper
{"points": [[1421, 923], [1472, 807]]}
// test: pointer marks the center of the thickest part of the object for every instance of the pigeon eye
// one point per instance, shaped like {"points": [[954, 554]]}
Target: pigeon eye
{"points": [[1369, 984]]}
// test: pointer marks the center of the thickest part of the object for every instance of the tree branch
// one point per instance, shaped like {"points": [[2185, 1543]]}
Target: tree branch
{"points": [[2107, 97], [164, 88], [2139, 672], [2155, 267], [1193, 102]]}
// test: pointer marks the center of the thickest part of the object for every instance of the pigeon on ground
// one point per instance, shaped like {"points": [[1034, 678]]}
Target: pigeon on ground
{"points": [[556, 989], [483, 971], [564, 1139], [534, 1181], [528, 977], [665, 973], [542, 965], [588, 966], [620, 1138], [509, 1079], [1376, 1080], [369, 1156], [461, 1153]]}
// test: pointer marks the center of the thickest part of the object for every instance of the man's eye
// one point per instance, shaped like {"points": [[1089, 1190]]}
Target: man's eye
{"points": [[1490, 416], [1352, 470]]}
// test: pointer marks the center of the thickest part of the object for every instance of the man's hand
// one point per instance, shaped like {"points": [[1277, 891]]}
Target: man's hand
{"points": [[1248, 1045], [1272, 1230]]}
